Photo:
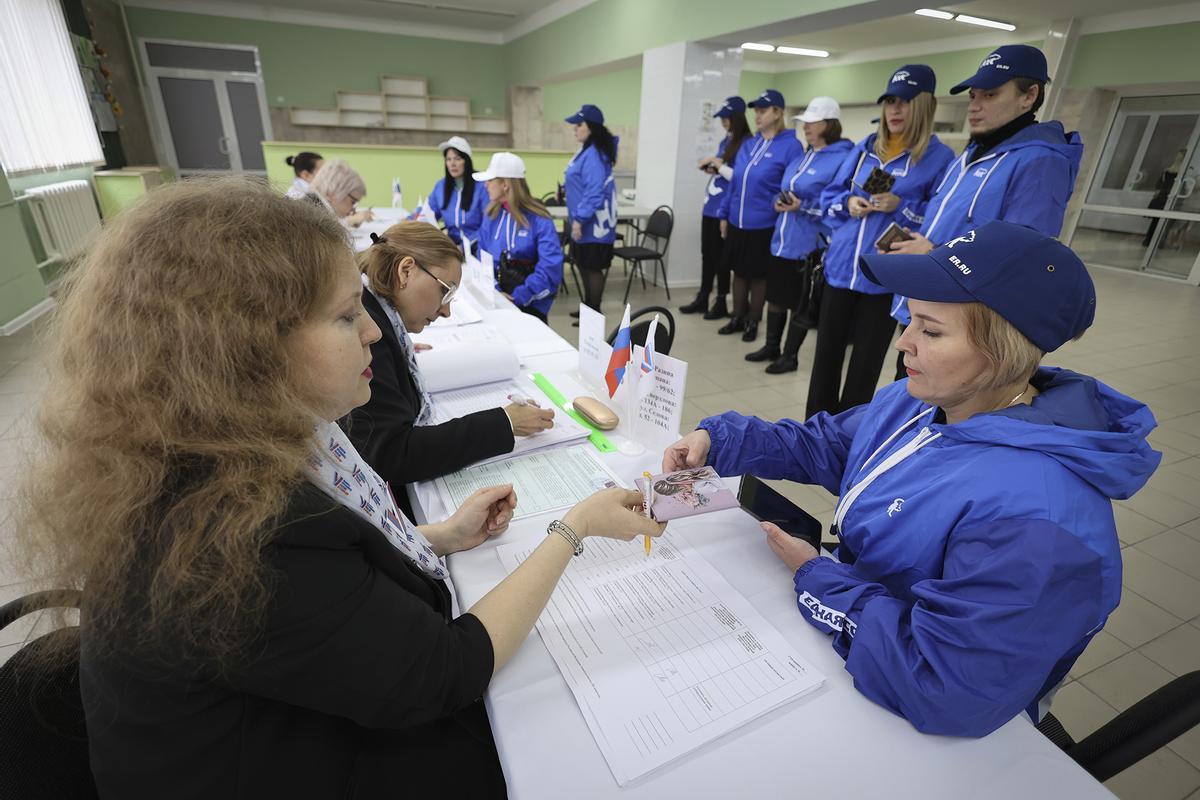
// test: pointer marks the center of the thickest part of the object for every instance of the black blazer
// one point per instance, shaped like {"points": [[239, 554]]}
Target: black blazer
{"points": [[383, 430], [359, 686]]}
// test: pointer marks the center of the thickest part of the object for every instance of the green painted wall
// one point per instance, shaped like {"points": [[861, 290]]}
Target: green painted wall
{"points": [[752, 84], [617, 93], [1163, 54], [21, 287], [306, 65]]}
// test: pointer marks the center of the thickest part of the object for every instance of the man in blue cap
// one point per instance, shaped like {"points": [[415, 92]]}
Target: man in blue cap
{"points": [[1014, 168]]}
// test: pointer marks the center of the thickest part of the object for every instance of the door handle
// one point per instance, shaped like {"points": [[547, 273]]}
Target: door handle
{"points": [[223, 145]]}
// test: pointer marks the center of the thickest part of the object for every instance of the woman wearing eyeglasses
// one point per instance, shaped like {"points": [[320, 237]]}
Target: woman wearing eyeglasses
{"points": [[338, 188], [410, 274]]}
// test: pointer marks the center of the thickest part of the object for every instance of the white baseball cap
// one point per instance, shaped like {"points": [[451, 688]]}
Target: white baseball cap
{"points": [[458, 143], [503, 165], [820, 108]]}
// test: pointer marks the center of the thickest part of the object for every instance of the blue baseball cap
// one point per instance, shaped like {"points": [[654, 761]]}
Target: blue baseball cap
{"points": [[909, 81], [1005, 63], [1036, 283], [733, 105], [586, 113], [769, 97]]}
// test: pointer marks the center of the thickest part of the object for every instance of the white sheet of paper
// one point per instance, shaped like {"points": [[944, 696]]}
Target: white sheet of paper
{"points": [[454, 366], [476, 279], [594, 352], [546, 480], [463, 311], [661, 653], [660, 413], [460, 334]]}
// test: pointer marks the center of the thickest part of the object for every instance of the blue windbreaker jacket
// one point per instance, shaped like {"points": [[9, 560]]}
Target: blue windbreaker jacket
{"points": [[460, 221], [798, 233], [538, 242], [1027, 179], [750, 202], [853, 237], [717, 185], [592, 195], [973, 572]]}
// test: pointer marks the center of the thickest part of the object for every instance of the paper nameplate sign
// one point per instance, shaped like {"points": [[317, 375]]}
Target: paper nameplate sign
{"points": [[660, 412], [477, 278], [594, 351]]}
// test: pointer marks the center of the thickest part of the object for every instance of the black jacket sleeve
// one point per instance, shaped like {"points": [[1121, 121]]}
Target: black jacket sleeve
{"points": [[385, 433]]}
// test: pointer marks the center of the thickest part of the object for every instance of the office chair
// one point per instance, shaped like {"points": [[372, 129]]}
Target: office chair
{"points": [[657, 233]]}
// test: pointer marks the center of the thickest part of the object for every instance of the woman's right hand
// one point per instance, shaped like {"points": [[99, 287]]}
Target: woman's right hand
{"points": [[614, 513], [858, 206], [689, 452], [529, 419]]}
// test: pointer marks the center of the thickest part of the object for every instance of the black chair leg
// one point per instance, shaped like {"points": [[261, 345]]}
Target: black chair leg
{"points": [[641, 274], [628, 285], [658, 264]]}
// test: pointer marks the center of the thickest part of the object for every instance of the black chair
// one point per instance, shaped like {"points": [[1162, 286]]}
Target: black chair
{"points": [[1155, 720], [43, 737], [657, 233], [639, 326]]}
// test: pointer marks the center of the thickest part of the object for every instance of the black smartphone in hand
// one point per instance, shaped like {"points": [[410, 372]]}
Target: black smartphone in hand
{"points": [[767, 505]]}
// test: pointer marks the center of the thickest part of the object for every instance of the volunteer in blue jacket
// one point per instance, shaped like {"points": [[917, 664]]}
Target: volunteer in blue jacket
{"points": [[978, 551], [592, 200], [521, 237], [455, 199], [748, 210], [1014, 168], [800, 230], [855, 309], [719, 167]]}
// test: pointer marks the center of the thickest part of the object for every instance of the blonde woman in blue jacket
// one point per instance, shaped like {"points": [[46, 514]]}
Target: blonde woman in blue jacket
{"points": [[592, 200]]}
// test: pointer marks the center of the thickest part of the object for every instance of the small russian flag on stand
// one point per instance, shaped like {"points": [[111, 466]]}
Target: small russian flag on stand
{"points": [[622, 354]]}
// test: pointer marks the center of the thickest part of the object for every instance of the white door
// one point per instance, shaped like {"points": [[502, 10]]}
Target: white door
{"points": [[210, 105]]}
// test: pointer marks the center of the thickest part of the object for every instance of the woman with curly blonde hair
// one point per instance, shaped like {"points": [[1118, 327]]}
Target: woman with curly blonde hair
{"points": [[258, 618]]}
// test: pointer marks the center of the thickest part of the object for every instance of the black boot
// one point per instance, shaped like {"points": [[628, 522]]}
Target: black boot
{"points": [[718, 310], [735, 325], [697, 306], [751, 332], [770, 349], [787, 362]]}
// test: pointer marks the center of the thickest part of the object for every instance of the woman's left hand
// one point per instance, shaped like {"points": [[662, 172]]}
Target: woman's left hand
{"points": [[481, 516], [790, 550], [916, 246], [886, 202], [576, 231]]}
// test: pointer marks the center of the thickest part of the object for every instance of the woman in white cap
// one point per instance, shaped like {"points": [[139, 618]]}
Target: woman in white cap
{"points": [[520, 235], [338, 188], [800, 232], [455, 199]]}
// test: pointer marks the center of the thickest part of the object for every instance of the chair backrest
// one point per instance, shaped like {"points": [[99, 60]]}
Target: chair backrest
{"points": [[639, 327], [659, 226], [43, 735]]}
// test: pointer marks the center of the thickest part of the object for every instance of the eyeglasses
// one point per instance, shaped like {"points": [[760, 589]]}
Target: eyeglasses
{"points": [[448, 289]]}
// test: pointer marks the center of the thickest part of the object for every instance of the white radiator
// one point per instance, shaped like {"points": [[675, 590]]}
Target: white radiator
{"points": [[66, 218]]}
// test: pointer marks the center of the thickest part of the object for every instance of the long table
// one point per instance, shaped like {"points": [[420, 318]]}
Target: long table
{"points": [[833, 743]]}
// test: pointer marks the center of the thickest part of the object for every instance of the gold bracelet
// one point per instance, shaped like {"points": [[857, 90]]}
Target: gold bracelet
{"points": [[564, 530]]}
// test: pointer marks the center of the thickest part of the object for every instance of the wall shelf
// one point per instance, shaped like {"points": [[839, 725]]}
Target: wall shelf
{"points": [[402, 103]]}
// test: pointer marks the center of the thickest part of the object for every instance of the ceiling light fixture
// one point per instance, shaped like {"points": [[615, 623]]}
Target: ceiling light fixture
{"points": [[802, 51], [986, 23], [766, 48], [935, 13]]}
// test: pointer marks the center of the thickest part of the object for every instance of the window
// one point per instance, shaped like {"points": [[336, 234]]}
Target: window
{"points": [[45, 119]]}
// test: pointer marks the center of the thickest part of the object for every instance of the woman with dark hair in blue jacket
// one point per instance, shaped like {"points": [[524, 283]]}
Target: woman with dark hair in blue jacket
{"points": [[978, 554], [854, 309], [455, 199], [748, 210], [592, 200]]}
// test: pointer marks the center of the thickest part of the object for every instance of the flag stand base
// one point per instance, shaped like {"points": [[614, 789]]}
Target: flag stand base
{"points": [[631, 448]]}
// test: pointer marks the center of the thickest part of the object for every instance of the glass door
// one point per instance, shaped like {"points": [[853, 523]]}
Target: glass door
{"points": [[1141, 208]]}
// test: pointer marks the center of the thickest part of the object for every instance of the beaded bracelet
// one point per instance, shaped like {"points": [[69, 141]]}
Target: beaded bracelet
{"points": [[564, 530]]}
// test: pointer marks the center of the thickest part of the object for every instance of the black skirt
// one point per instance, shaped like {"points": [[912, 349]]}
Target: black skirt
{"points": [[784, 282], [592, 255], [747, 253]]}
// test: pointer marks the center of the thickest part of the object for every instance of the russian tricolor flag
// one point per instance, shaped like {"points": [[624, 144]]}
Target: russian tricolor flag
{"points": [[622, 353]]}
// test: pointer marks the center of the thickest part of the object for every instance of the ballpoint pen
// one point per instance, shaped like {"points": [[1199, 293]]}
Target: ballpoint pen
{"points": [[648, 501]]}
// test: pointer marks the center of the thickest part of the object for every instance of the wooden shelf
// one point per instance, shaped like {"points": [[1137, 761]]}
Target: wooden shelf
{"points": [[403, 103]]}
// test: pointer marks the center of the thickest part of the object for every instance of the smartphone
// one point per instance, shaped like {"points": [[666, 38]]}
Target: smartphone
{"points": [[893, 233], [784, 199], [767, 505]]}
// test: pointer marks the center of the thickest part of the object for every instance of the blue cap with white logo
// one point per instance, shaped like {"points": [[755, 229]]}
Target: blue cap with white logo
{"points": [[1005, 63], [586, 113], [733, 105], [909, 81], [769, 97], [1036, 283]]}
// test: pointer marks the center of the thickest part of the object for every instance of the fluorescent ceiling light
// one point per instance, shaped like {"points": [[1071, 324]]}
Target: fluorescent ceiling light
{"points": [[766, 48], [986, 23], [933, 12], [802, 51]]}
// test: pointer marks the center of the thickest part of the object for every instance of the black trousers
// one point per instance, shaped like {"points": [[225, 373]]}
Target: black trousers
{"points": [[849, 318], [712, 261]]}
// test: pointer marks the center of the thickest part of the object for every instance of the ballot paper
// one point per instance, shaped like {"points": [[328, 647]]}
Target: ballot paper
{"points": [[661, 653], [463, 311], [546, 480], [460, 402]]}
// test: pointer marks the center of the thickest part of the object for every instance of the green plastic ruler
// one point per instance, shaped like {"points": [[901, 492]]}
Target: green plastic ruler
{"points": [[596, 437]]}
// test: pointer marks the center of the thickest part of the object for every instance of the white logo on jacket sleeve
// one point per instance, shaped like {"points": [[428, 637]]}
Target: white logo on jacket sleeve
{"points": [[966, 238], [834, 619]]}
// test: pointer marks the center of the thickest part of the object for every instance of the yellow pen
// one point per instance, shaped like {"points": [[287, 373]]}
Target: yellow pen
{"points": [[648, 502]]}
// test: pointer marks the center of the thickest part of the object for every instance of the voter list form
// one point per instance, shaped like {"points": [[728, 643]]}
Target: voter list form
{"points": [[661, 653]]}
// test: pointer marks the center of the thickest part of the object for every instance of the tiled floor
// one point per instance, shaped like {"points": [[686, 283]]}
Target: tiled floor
{"points": [[1146, 342]]}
